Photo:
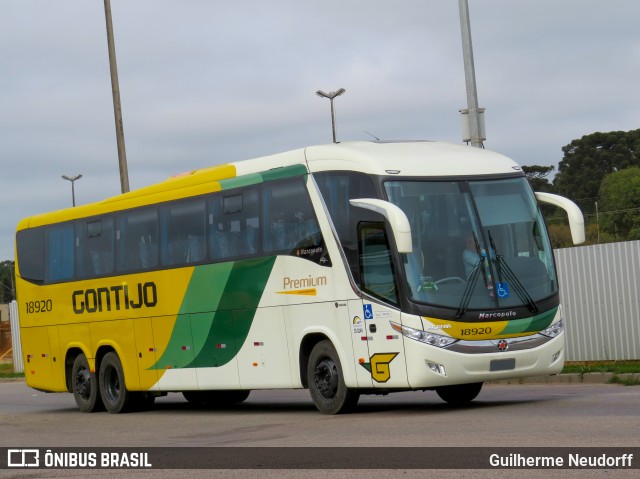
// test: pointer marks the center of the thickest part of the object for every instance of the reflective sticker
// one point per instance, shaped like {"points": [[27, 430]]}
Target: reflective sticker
{"points": [[357, 325]]}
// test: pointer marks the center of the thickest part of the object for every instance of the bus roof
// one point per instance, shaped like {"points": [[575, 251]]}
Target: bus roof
{"points": [[404, 158], [409, 158]]}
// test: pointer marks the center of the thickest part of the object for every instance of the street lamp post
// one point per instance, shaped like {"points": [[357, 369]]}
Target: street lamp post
{"points": [[331, 95], [72, 179]]}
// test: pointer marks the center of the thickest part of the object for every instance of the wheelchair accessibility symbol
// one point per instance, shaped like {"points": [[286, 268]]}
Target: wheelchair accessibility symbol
{"points": [[368, 311], [503, 290]]}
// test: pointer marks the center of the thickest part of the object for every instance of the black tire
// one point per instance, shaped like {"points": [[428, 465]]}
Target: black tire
{"points": [[328, 391], [84, 385], [115, 396], [216, 398], [459, 394]]}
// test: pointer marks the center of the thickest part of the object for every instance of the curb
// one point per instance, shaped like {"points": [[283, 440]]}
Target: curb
{"points": [[574, 378]]}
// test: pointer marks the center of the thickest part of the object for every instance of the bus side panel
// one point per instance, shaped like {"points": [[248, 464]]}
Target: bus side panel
{"points": [[360, 344], [216, 343], [264, 359], [118, 335], [175, 352], [57, 360], [146, 352], [386, 362], [37, 357], [330, 319], [76, 336]]}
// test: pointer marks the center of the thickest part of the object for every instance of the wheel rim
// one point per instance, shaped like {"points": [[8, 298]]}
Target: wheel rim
{"points": [[112, 384], [326, 378], [83, 384]]}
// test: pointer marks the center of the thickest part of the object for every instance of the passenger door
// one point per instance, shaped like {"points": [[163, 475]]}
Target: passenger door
{"points": [[386, 361]]}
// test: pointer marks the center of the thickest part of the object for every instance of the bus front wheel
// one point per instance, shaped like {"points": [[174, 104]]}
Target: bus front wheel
{"points": [[115, 396], [460, 393], [84, 385], [328, 391]]}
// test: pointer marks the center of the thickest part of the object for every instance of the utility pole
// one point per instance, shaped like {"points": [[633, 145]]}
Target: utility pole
{"points": [[117, 110], [473, 115]]}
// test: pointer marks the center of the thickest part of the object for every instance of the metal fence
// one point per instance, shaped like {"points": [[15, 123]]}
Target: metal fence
{"points": [[600, 294], [18, 364]]}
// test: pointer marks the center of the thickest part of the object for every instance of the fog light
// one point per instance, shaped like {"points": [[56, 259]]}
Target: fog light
{"points": [[437, 368]]}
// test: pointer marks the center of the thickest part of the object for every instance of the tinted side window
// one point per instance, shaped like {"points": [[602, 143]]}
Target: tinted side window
{"points": [[234, 225], [182, 238], [337, 188], [31, 254], [378, 277], [137, 240], [95, 247], [59, 250], [290, 222]]}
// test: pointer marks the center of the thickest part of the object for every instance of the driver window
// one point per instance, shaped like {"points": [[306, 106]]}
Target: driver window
{"points": [[378, 276]]}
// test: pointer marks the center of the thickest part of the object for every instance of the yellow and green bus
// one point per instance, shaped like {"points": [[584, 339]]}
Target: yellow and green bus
{"points": [[348, 269]]}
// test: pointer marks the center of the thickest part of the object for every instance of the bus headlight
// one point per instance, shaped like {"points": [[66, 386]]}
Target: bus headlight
{"points": [[431, 339], [554, 330]]}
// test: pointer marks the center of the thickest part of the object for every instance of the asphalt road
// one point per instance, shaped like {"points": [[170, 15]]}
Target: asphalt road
{"points": [[552, 415]]}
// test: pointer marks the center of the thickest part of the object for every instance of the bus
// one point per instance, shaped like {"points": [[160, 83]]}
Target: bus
{"points": [[348, 269]]}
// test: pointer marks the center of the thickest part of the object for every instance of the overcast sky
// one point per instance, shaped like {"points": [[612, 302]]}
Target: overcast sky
{"points": [[206, 82]]}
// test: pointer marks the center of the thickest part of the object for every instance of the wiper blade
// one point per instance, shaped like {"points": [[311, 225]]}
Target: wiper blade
{"points": [[520, 290], [471, 281]]}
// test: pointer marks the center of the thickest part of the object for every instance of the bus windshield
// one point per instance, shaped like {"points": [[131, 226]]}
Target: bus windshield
{"points": [[476, 244]]}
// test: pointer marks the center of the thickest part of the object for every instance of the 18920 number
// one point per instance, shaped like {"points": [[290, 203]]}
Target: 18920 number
{"points": [[475, 331], [43, 306]]}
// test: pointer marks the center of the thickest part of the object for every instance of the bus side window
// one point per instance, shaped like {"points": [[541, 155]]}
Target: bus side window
{"points": [[95, 247], [289, 214], [377, 273], [183, 233], [337, 188], [30, 249], [137, 240], [59, 254], [234, 225]]}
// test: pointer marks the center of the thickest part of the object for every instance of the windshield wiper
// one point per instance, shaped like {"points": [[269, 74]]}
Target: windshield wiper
{"points": [[471, 281], [520, 290]]}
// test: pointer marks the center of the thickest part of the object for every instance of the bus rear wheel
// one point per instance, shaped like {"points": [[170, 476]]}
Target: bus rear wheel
{"points": [[460, 393], [84, 385], [328, 391], [216, 398], [115, 396]]}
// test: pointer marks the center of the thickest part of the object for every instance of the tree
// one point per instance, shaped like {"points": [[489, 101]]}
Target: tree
{"points": [[537, 176], [588, 160], [7, 281], [619, 205]]}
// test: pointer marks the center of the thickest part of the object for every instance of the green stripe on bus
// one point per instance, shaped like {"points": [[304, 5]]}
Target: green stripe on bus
{"points": [[216, 313], [269, 175], [284, 172], [533, 324], [238, 181]]}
